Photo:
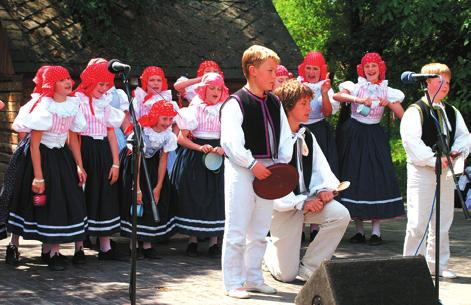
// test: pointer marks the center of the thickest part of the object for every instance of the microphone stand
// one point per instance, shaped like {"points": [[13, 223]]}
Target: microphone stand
{"points": [[137, 152], [441, 149]]}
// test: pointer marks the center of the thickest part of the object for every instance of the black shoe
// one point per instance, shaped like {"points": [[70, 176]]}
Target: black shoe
{"points": [[214, 251], [56, 263], [87, 243], [313, 235], [13, 255], [45, 257], [151, 253], [111, 255], [375, 240], [358, 239], [79, 257], [192, 250]]}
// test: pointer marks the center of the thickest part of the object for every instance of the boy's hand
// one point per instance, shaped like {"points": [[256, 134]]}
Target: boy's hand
{"points": [[260, 171], [314, 206], [444, 162], [326, 196]]}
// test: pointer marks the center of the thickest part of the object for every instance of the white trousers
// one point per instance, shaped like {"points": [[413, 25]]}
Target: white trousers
{"points": [[282, 254], [247, 223], [421, 184]]}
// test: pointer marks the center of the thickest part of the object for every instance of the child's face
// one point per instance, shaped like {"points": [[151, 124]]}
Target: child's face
{"points": [[210, 69], [63, 87], [279, 80], [213, 94], [154, 84], [163, 123], [434, 83], [264, 75], [301, 110], [100, 89], [312, 73], [371, 72]]}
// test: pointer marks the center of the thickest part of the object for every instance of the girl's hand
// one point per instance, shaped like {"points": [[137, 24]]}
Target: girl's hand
{"points": [[206, 148], [113, 175], [156, 192], [82, 175], [383, 102], [325, 87], [38, 186], [139, 197], [218, 150]]}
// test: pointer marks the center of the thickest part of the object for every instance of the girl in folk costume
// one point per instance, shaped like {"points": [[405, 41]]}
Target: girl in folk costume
{"points": [[100, 154], [9, 177], [186, 87], [199, 190], [159, 140], [48, 203], [364, 152], [119, 100], [282, 75]]}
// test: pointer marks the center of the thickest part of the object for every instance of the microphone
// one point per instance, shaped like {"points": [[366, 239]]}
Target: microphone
{"points": [[409, 77], [115, 66]]}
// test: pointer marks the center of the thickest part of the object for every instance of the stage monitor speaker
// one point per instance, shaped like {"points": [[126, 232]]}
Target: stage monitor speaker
{"points": [[382, 281]]}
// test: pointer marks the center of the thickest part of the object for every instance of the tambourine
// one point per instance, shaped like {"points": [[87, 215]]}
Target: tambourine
{"points": [[140, 210], [213, 161], [283, 180], [39, 200]]}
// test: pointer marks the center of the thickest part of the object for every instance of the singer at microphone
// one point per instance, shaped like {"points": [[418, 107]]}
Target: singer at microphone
{"points": [[409, 77], [116, 66], [419, 134]]}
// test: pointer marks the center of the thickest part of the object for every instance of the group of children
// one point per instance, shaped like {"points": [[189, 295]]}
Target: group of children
{"points": [[70, 177]]}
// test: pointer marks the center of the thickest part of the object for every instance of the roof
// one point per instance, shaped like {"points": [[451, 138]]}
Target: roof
{"points": [[176, 35]]}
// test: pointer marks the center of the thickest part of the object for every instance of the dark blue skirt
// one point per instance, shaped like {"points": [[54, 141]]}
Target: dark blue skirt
{"points": [[147, 229], [63, 219], [365, 160], [326, 140], [101, 197], [199, 193]]}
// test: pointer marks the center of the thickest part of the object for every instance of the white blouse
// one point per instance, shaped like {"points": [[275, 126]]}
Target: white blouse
{"points": [[201, 119], [143, 108], [190, 90], [155, 141], [316, 103], [364, 89], [105, 116], [54, 119]]}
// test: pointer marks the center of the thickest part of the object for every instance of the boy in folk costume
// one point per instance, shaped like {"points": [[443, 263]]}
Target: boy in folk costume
{"points": [[311, 202], [419, 135], [254, 134]]}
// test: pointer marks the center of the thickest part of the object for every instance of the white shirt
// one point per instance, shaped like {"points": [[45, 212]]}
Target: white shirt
{"points": [[233, 140], [316, 102], [322, 177]]}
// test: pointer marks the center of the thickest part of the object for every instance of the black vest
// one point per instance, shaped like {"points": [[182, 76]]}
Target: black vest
{"points": [[259, 115], [429, 131], [306, 160]]}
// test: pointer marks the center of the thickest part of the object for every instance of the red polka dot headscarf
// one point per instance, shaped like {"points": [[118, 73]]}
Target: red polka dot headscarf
{"points": [[369, 58], [38, 79], [208, 64], [211, 79], [313, 58], [151, 71], [282, 71], [50, 76], [95, 72], [158, 109]]}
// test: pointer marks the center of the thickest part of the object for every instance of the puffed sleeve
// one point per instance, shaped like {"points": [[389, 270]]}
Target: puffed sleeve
{"points": [[39, 119], [171, 142], [350, 87], [186, 118], [395, 95], [79, 124], [123, 100], [115, 117], [333, 102]]}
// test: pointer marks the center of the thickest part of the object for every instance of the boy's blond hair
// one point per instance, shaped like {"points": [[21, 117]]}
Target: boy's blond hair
{"points": [[436, 68], [290, 92], [255, 56]]}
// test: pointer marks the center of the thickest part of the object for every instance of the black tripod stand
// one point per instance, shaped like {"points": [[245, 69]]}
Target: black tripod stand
{"points": [[441, 150], [137, 152]]}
